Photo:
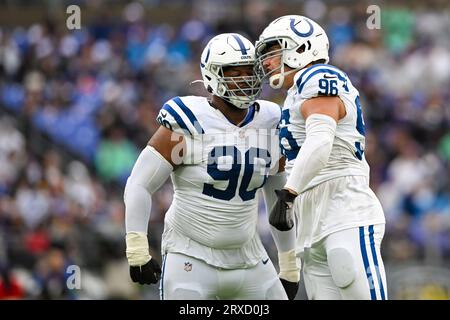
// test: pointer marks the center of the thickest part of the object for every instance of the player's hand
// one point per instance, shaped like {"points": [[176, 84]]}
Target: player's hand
{"points": [[281, 216], [291, 288], [147, 274], [143, 268]]}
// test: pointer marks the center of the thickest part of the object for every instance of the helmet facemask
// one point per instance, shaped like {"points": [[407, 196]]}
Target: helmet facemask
{"points": [[276, 76], [224, 54], [240, 91]]}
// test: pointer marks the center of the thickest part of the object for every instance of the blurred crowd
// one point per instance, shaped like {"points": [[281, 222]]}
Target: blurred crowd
{"points": [[77, 106]]}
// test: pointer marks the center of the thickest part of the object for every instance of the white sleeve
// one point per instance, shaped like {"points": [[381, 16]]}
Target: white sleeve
{"points": [[149, 173], [314, 153]]}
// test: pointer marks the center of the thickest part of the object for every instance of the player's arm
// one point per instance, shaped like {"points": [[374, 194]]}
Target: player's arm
{"points": [[284, 240], [321, 115], [152, 168]]}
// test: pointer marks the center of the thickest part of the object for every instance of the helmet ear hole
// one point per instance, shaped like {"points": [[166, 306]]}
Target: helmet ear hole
{"points": [[301, 49], [210, 90]]}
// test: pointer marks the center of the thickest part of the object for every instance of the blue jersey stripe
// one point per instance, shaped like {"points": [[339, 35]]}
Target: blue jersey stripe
{"points": [[316, 66], [189, 114], [240, 43], [359, 117], [375, 261], [249, 117], [290, 154], [292, 149], [362, 244], [177, 117], [301, 85], [359, 151], [305, 71]]}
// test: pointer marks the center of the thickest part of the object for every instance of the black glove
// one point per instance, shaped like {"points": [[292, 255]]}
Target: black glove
{"points": [[281, 216], [291, 288], [147, 274]]}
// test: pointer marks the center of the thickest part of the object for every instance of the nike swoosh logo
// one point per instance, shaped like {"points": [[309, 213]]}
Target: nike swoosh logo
{"points": [[329, 77], [265, 261]]}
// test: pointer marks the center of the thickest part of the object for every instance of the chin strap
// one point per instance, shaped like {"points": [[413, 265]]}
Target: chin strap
{"points": [[273, 79], [196, 81], [280, 77]]}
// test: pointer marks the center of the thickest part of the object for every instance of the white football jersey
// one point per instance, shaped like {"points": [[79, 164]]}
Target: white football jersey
{"points": [[347, 155], [339, 196], [214, 212]]}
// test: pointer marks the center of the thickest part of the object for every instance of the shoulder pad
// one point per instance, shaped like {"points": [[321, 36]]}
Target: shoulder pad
{"points": [[321, 80], [176, 116]]}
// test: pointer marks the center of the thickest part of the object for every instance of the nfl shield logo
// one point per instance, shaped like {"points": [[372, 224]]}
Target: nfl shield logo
{"points": [[187, 266]]}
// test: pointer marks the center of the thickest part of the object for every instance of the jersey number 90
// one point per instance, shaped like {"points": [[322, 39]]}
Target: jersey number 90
{"points": [[233, 175]]}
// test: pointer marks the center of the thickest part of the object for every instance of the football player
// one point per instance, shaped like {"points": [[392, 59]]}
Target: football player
{"points": [[340, 220], [218, 153]]}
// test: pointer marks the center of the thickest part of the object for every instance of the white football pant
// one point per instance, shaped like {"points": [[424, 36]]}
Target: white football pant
{"points": [[187, 278], [346, 265]]}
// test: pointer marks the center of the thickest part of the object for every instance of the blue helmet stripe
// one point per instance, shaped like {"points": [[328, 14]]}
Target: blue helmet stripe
{"points": [[207, 54], [240, 43]]}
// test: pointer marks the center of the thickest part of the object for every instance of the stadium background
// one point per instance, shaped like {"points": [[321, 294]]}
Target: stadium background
{"points": [[77, 106]]}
